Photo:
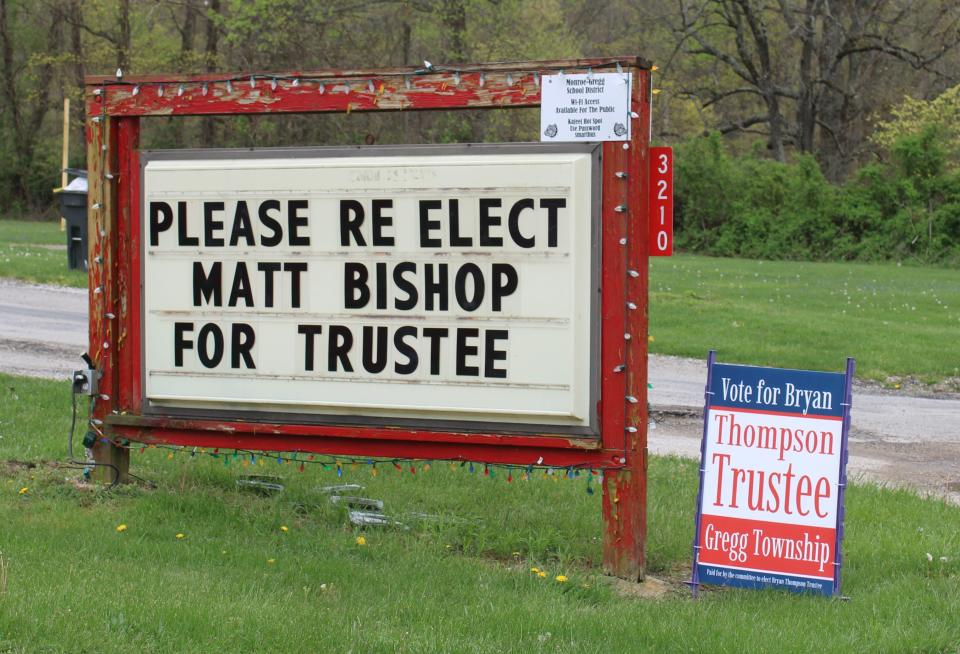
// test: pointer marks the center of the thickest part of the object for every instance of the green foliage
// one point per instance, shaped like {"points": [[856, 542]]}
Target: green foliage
{"points": [[905, 209], [914, 116]]}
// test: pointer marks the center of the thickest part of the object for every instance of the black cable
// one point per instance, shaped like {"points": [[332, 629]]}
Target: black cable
{"points": [[85, 464]]}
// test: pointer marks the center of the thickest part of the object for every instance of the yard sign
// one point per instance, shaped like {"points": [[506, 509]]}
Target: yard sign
{"points": [[773, 475], [481, 303]]}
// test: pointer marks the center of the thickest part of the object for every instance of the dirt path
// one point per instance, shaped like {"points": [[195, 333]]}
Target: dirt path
{"points": [[909, 437]]}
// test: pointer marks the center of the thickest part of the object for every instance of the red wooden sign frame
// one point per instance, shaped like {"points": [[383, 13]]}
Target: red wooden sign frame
{"points": [[115, 107]]}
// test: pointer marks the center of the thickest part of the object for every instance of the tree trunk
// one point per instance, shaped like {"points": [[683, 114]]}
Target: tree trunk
{"points": [[208, 128]]}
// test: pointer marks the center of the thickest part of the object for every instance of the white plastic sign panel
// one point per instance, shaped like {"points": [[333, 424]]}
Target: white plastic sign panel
{"points": [[454, 287], [589, 107]]}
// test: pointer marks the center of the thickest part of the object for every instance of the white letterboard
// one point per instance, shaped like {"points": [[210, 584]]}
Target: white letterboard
{"points": [[458, 287]]}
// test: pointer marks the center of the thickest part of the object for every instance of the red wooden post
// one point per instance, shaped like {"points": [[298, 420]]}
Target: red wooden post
{"points": [[116, 343], [625, 488]]}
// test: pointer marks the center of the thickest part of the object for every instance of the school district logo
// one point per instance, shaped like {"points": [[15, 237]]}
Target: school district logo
{"points": [[620, 129], [551, 131]]}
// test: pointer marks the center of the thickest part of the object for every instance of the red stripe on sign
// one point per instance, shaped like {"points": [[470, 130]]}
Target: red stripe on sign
{"points": [[767, 546], [774, 413], [660, 207]]}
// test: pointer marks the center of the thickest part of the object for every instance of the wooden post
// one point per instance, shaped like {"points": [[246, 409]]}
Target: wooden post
{"points": [[65, 158], [625, 489], [103, 179]]}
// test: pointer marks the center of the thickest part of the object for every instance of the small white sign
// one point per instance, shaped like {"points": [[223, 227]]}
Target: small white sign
{"points": [[591, 107]]}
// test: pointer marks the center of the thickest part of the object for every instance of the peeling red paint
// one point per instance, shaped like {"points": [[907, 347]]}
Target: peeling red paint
{"points": [[114, 110]]}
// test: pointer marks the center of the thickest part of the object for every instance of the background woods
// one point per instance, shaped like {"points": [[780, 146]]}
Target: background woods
{"points": [[829, 126]]}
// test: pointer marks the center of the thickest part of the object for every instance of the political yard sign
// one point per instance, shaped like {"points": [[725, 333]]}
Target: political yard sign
{"points": [[773, 473]]}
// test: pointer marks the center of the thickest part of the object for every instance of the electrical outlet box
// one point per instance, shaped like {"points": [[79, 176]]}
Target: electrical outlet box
{"points": [[85, 382]]}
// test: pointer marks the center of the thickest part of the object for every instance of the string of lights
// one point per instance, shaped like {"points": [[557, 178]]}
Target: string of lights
{"points": [[343, 465], [346, 84]]}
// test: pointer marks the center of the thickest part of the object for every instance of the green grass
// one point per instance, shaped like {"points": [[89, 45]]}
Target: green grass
{"points": [[75, 584], [23, 255], [31, 231], [894, 320]]}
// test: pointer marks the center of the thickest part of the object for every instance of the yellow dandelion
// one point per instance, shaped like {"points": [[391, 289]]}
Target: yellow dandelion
{"points": [[284, 528], [535, 570], [180, 536], [24, 490], [121, 528], [361, 540], [561, 579], [542, 574], [271, 561], [650, 338]]}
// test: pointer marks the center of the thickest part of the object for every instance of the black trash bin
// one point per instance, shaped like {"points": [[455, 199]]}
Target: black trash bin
{"points": [[73, 208]]}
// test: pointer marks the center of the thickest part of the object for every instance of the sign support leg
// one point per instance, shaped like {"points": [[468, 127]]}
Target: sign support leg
{"points": [[625, 517]]}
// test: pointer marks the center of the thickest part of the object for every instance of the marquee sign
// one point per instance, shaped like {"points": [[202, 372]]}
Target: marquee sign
{"points": [[470, 303], [773, 474], [424, 283]]}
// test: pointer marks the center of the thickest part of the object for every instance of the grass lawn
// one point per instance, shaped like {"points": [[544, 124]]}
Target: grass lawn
{"points": [[459, 582], [894, 320], [34, 232], [23, 255]]}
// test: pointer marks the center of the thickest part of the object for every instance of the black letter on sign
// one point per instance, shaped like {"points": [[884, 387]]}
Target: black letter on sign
{"points": [[180, 343], [242, 342], [309, 332], [455, 239], [427, 225], [268, 268], [351, 217], [380, 221], [241, 225], [405, 285], [355, 291], [182, 237], [369, 363], [270, 223], [551, 205], [203, 341], [161, 218], [210, 225], [435, 334], [295, 221], [436, 288], [464, 351], [472, 270], [241, 286], [491, 355], [295, 269], [502, 288], [341, 340], [514, 223], [487, 221], [406, 350], [207, 286]]}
